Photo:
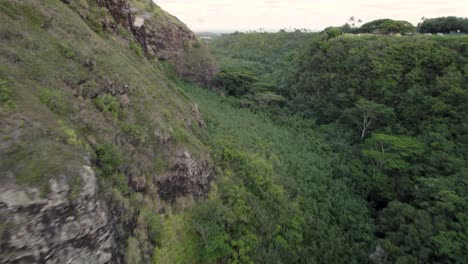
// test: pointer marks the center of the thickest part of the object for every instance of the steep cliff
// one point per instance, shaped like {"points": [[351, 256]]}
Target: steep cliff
{"points": [[59, 228], [96, 143], [163, 36]]}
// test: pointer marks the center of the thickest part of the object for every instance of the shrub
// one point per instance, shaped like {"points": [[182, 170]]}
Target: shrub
{"points": [[123, 32], [54, 100], [154, 227], [66, 50], [136, 47], [135, 133], [108, 158], [119, 180], [109, 104]]}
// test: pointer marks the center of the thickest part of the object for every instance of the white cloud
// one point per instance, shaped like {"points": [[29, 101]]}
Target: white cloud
{"points": [[312, 14]]}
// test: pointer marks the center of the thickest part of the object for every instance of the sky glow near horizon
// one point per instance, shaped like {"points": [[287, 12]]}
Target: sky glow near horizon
{"points": [[217, 15]]}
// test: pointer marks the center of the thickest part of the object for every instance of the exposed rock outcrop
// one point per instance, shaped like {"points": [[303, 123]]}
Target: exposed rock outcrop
{"points": [[165, 37], [60, 228], [187, 176]]}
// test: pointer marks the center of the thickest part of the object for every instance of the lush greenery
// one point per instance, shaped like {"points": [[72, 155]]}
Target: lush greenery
{"points": [[327, 147], [387, 26], [283, 195], [444, 25], [380, 27], [401, 103], [394, 109]]}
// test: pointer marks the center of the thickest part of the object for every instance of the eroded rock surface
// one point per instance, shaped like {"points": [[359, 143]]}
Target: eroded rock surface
{"points": [[64, 227], [165, 37], [188, 176]]}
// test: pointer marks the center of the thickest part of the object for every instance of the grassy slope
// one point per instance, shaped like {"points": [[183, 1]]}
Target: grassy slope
{"points": [[50, 61], [64, 96]]}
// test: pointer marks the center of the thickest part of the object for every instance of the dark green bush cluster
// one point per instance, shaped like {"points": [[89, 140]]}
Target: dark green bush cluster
{"points": [[55, 100], [256, 211], [135, 133], [122, 31], [387, 26], [235, 82], [449, 24], [109, 104], [108, 158]]}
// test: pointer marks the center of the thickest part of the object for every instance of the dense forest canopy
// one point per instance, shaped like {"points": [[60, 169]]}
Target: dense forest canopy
{"points": [[387, 26], [444, 25], [394, 112]]}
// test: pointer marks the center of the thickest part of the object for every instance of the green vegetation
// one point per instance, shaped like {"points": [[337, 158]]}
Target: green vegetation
{"points": [[108, 158], [393, 111], [109, 104], [6, 94], [252, 63], [135, 133], [137, 49], [235, 83], [444, 25], [283, 195], [66, 50], [54, 100], [387, 26], [327, 147], [403, 90], [73, 93]]}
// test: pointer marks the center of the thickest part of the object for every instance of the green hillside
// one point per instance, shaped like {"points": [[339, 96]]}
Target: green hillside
{"points": [[72, 91], [123, 142]]}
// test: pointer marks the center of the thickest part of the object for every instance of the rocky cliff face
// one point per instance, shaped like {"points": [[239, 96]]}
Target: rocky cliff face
{"points": [[73, 83], [187, 176], [165, 37], [59, 228]]}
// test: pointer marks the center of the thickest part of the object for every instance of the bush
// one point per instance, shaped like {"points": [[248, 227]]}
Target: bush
{"points": [[123, 32], [154, 227], [136, 47], [66, 50], [135, 133], [54, 100], [108, 158], [109, 104]]}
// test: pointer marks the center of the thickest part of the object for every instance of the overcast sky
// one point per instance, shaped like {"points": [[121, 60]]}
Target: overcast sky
{"points": [[201, 15]]}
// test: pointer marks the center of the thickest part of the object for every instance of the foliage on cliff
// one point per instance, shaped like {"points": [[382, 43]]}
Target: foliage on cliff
{"points": [[75, 88]]}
